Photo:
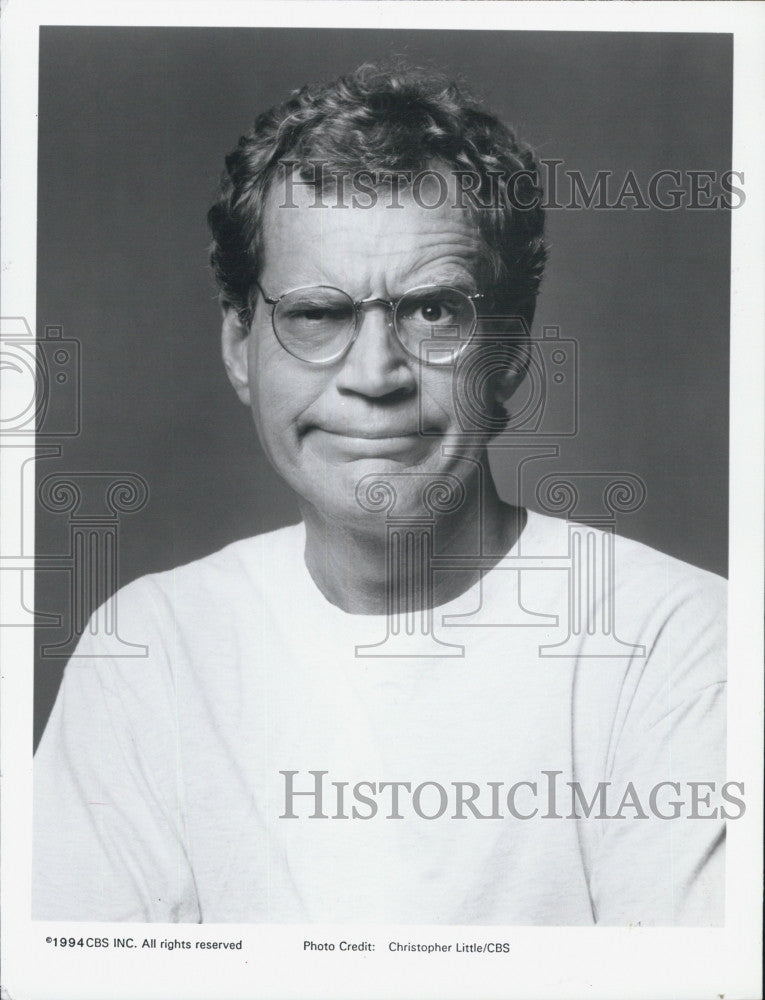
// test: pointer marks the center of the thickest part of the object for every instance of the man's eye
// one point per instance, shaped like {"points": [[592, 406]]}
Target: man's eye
{"points": [[317, 313], [432, 311], [313, 314]]}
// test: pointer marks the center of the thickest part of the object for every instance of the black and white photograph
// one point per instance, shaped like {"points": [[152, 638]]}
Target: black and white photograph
{"points": [[380, 553]]}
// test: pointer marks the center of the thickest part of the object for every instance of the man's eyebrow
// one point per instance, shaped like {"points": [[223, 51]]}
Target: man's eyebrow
{"points": [[457, 275]]}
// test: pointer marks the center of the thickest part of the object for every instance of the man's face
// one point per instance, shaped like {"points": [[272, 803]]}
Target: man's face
{"points": [[377, 409]]}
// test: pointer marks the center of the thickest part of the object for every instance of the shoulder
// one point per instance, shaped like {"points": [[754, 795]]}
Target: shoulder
{"points": [[261, 562], [664, 604], [191, 620], [196, 607], [636, 566]]}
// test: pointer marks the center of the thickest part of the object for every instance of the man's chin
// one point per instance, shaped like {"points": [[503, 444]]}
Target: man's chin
{"points": [[364, 493]]}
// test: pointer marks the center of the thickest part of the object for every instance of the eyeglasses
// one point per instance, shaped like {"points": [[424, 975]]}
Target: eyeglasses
{"points": [[318, 324]]}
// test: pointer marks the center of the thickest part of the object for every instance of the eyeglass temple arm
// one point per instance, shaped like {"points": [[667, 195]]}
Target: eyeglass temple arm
{"points": [[266, 298]]}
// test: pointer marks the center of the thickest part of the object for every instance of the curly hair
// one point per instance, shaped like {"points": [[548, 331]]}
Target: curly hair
{"points": [[385, 122]]}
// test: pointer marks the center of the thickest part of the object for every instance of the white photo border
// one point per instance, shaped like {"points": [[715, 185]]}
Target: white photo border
{"points": [[543, 962]]}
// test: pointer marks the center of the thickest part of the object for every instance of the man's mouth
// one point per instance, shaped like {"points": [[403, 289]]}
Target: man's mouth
{"points": [[369, 442], [372, 434]]}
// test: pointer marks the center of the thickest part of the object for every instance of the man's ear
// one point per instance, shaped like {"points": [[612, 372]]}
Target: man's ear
{"points": [[234, 344], [513, 373]]}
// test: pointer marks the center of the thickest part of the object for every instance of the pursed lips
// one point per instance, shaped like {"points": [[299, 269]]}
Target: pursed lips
{"points": [[371, 434], [373, 441], [379, 426]]}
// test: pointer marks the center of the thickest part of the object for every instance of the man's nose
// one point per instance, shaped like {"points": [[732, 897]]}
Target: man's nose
{"points": [[377, 365]]}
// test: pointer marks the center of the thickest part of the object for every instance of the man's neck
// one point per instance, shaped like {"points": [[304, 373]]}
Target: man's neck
{"points": [[350, 563]]}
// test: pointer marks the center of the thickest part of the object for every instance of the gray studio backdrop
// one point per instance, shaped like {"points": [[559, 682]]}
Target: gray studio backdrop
{"points": [[133, 127]]}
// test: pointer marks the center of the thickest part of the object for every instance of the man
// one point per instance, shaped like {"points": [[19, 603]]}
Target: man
{"points": [[334, 721]]}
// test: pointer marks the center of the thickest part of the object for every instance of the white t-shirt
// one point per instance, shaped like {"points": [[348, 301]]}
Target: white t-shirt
{"points": [[159, 792]]}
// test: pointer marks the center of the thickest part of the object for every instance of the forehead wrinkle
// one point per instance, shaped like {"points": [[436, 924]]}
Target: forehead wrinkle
{"points": [[450, 255], [363, 247]]}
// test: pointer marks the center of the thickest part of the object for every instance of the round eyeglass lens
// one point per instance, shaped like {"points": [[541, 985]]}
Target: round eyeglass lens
{"points": [[315, 324], [435, 322]]}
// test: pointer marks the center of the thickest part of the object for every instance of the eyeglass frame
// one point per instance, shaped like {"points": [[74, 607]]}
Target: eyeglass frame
{"points": [[391, 307]]}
